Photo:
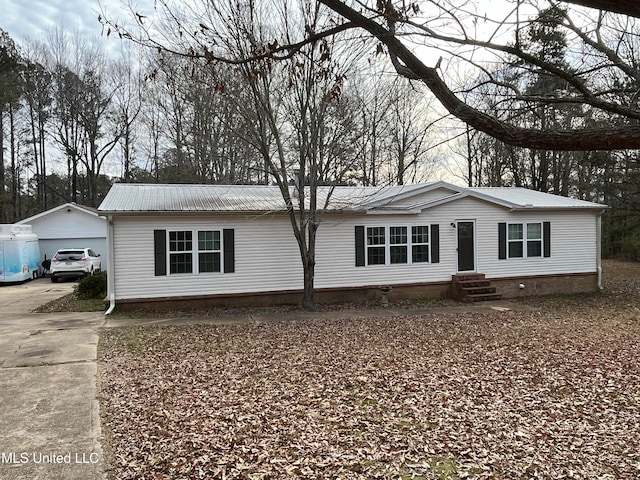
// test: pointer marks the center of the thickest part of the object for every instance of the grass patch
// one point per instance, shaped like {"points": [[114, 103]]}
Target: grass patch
{"points": [[210, 313], [444, 468], [71, 303]]}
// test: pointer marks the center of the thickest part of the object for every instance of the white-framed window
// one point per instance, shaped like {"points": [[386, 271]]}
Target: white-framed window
{"points": [[397, 244], [376, 245], [419, 244], [534, 239], [181, 252], [524, 240], [207, 250]]}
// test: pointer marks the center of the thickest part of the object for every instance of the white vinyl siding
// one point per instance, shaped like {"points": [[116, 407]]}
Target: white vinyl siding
{"points": [[70, 224], [267, 256], [71, 228]]}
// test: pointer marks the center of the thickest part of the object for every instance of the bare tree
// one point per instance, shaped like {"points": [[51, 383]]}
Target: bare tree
{"points": [[10, 67], [101, 133], [450, 27], [389, 22], [127, 99], [292, 103]]}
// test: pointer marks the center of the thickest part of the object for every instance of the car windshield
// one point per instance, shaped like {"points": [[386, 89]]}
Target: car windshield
{"points": [[70, 255]]}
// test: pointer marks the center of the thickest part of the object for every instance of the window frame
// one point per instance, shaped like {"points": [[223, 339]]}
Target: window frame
{"points": [[388, 246], [377, 246], [195, 251], [538, 240], [213, 251], [427, 245], [179, 252], [401, 245], [524, 240]]}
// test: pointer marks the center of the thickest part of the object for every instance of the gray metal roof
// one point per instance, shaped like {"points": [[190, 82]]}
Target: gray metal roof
{"points": [[131, 198], [517, 197]]}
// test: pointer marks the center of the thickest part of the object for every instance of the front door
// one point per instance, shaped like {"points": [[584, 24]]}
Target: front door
{"points": [[466, 246]]}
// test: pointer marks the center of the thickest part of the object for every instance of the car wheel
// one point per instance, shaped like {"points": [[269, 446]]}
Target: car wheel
{"points": [[54, 279]]}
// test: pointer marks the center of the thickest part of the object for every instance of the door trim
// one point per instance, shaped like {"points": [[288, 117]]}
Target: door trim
{"points": [[475, 246]]}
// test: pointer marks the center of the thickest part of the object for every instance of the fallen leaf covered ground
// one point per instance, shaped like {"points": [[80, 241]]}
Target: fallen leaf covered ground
{"points": [[552, 391]]}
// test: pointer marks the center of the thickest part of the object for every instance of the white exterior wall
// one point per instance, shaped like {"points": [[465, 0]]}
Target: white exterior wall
{"points": [[573, 245], [267, 256], [69, 224], [70, 228]]}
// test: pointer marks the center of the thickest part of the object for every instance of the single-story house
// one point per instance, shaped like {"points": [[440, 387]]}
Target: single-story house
{"points": [[70, 226], [233, 244]]}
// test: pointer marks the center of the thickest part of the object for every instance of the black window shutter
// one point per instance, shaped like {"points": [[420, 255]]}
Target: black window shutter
{"points": [[228, 239], [435, 243], [160, 252], [546, 236], [360, 257], [502, 241]]}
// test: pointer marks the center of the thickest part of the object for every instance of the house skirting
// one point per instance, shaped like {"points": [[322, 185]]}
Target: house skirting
{"points": [[509, 287]]}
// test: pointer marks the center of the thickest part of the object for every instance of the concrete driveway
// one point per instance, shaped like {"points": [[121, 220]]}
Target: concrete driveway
{"points": [[49, 414]]}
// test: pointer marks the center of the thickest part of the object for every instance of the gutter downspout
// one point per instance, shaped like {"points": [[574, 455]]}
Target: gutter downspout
{"points": [[111, 283], [599, 248]]}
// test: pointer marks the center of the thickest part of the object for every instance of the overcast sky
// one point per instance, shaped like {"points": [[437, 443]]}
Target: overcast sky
{"points": [[31, 19]]}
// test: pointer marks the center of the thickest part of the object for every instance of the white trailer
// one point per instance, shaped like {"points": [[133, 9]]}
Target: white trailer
{"points": [[19, 253]]}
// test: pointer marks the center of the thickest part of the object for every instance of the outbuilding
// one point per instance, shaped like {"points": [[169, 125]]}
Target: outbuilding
{"points": [[70, 226], [225, 245]]}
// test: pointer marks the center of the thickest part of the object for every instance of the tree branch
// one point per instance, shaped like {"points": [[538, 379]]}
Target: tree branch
{"points": [[627, 7], [613, 138]]}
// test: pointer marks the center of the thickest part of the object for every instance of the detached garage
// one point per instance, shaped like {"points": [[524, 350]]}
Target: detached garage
{"points": [[70, 226]]}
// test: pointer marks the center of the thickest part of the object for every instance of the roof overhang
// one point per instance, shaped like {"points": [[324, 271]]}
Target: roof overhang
{"points": [[64, 206], [408, 194]]}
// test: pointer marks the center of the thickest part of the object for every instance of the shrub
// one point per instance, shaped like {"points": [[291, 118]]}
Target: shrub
{"points": [[94, 286]]}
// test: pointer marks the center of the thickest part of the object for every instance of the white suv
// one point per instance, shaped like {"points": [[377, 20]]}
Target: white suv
{"points": [[74, 262]]}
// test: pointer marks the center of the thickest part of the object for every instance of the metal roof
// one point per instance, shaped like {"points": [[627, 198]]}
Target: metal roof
{"points": [[131, 198], [518, 197]]}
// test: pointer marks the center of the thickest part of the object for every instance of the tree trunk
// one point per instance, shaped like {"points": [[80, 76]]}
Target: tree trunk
{"points": [[309, 267], [308, 299], [14, 166], [2, 179]]}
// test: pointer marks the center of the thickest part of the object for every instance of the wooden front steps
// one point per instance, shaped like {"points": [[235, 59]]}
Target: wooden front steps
{"points": [[473, 287]]}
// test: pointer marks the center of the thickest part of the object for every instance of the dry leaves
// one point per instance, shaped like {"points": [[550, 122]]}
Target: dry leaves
{"points": [[551, 393]]}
